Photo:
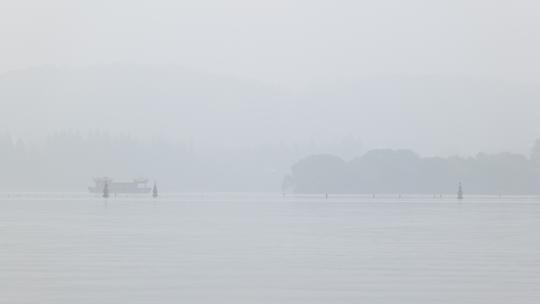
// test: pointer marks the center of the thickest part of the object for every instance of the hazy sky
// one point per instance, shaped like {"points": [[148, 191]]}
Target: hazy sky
{"points": [[284, 41], [301, 44]]}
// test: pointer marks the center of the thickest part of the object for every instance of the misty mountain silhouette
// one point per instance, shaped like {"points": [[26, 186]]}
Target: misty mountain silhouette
{"points": [[149, 100], [428, 114]]}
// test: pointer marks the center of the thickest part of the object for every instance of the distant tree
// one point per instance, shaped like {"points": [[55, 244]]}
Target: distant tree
{"points": [[320, 173], [288, 184], [535, 152], [106, 190]]}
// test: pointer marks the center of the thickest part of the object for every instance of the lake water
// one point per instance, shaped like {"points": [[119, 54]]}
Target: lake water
{"points": [[240, 248]]}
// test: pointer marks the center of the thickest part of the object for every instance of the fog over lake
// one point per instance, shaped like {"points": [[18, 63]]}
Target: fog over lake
{"points": [[286, 151]]}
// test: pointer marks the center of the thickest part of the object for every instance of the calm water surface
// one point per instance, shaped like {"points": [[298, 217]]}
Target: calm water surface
{"points": [[268, 249]]}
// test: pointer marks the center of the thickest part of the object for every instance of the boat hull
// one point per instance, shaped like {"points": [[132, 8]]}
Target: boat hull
{"points": [[120, 189]]}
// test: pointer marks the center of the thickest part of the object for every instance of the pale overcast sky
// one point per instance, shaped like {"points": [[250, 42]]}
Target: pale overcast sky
{"points": [[283, 41]]}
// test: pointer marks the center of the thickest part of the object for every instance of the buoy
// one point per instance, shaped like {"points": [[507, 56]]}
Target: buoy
{"points": [[460, 192], [154, 191]]}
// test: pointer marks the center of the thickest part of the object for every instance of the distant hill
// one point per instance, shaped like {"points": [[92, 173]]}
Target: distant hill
{"points": [[431, 114], [149, 101]]}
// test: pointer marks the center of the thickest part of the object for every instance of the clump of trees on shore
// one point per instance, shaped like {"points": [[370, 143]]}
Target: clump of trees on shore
{"points": [[403, 171]]}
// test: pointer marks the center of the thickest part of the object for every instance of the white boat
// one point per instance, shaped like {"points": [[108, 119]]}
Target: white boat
{"points": [[136, 185]]}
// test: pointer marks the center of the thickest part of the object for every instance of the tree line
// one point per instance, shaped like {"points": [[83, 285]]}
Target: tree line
{"points": [[403, 171]]}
